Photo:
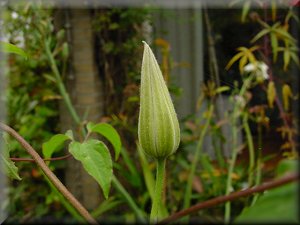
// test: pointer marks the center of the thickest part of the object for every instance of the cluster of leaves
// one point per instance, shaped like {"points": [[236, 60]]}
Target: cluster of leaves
{"points": [[93, 154], [273, 45], [34, 32], [259, 65], [31, 104]]}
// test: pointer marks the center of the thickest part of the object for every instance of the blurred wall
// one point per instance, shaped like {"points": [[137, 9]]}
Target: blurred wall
{"points": [[182, 28]]}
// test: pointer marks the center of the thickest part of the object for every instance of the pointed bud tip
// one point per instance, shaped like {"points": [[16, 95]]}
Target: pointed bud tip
{"points": [[145, 43]]}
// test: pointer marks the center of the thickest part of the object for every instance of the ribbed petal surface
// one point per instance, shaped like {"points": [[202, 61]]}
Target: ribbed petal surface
{"points": [[158, 127]]}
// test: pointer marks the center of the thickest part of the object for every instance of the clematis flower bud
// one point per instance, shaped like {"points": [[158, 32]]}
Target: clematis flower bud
{"points": [[158, 128]]}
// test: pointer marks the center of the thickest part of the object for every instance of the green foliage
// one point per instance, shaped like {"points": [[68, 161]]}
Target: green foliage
{"points": [[244, 56], [55, 196], [8, 166], [10, 48], [93, 154], [132, 175], [109, 133], [287, 165], [32, 105], [54, 144], [96, 160], [277, 32], [33, 112], [276, 205], [105, 206]]}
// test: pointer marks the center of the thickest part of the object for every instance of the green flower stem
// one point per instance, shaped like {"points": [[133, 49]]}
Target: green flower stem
{"points": [[218, 150], [257, 180], [230, 171], [157, 201], [139, 214], [250, 148], [258, 163], [188, 190], [235, 148], [75, 117], [61, 85]]}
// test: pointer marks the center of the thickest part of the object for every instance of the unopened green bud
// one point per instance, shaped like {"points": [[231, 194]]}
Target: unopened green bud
{"points": [[158, 128], [65, 50]]}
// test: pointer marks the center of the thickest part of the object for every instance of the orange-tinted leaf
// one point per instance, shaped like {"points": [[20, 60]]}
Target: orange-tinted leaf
{"points": [[286, 94], [271, 94]]}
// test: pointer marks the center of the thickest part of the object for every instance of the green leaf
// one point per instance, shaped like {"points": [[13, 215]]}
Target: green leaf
{"points": [[285, 34], [295, 58], [109, 133], [260, 35], [242, 63], [7, 165], [96, 160], [275, 205], [69, 133], [10, 168], [274, 44], [245, 10], [222, 89], [54, 144], [274, 10], [287, 165], [278, 205], [286, 59], [10, 48], [132, 168], [105, 206], [291, 14], [234, 59]]}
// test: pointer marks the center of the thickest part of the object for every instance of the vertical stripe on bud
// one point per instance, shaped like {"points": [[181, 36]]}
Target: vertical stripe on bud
{"points": [[158, 128]]}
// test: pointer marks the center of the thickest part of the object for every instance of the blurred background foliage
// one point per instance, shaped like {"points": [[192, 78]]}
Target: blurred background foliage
{"points": [[32, 102], [32, 109]]}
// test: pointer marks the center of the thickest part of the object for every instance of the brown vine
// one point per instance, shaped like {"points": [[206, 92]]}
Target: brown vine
{"points": [[222, 199], [52, 177], [77, 205], [46, 159]]}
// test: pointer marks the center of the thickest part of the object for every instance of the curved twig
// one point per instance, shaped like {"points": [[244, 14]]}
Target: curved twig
{"points": [[221, 199], [39, 161], [47, 159]]}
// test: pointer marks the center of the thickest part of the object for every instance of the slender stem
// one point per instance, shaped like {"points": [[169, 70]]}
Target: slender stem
{"points": [[292, 177], [157, 201], [188, 190], [235, 147], [230, 171], [56, 182], [250, 149], [60, 84], [218, 150], [139, 214], [47, 159], [258, 162]]}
